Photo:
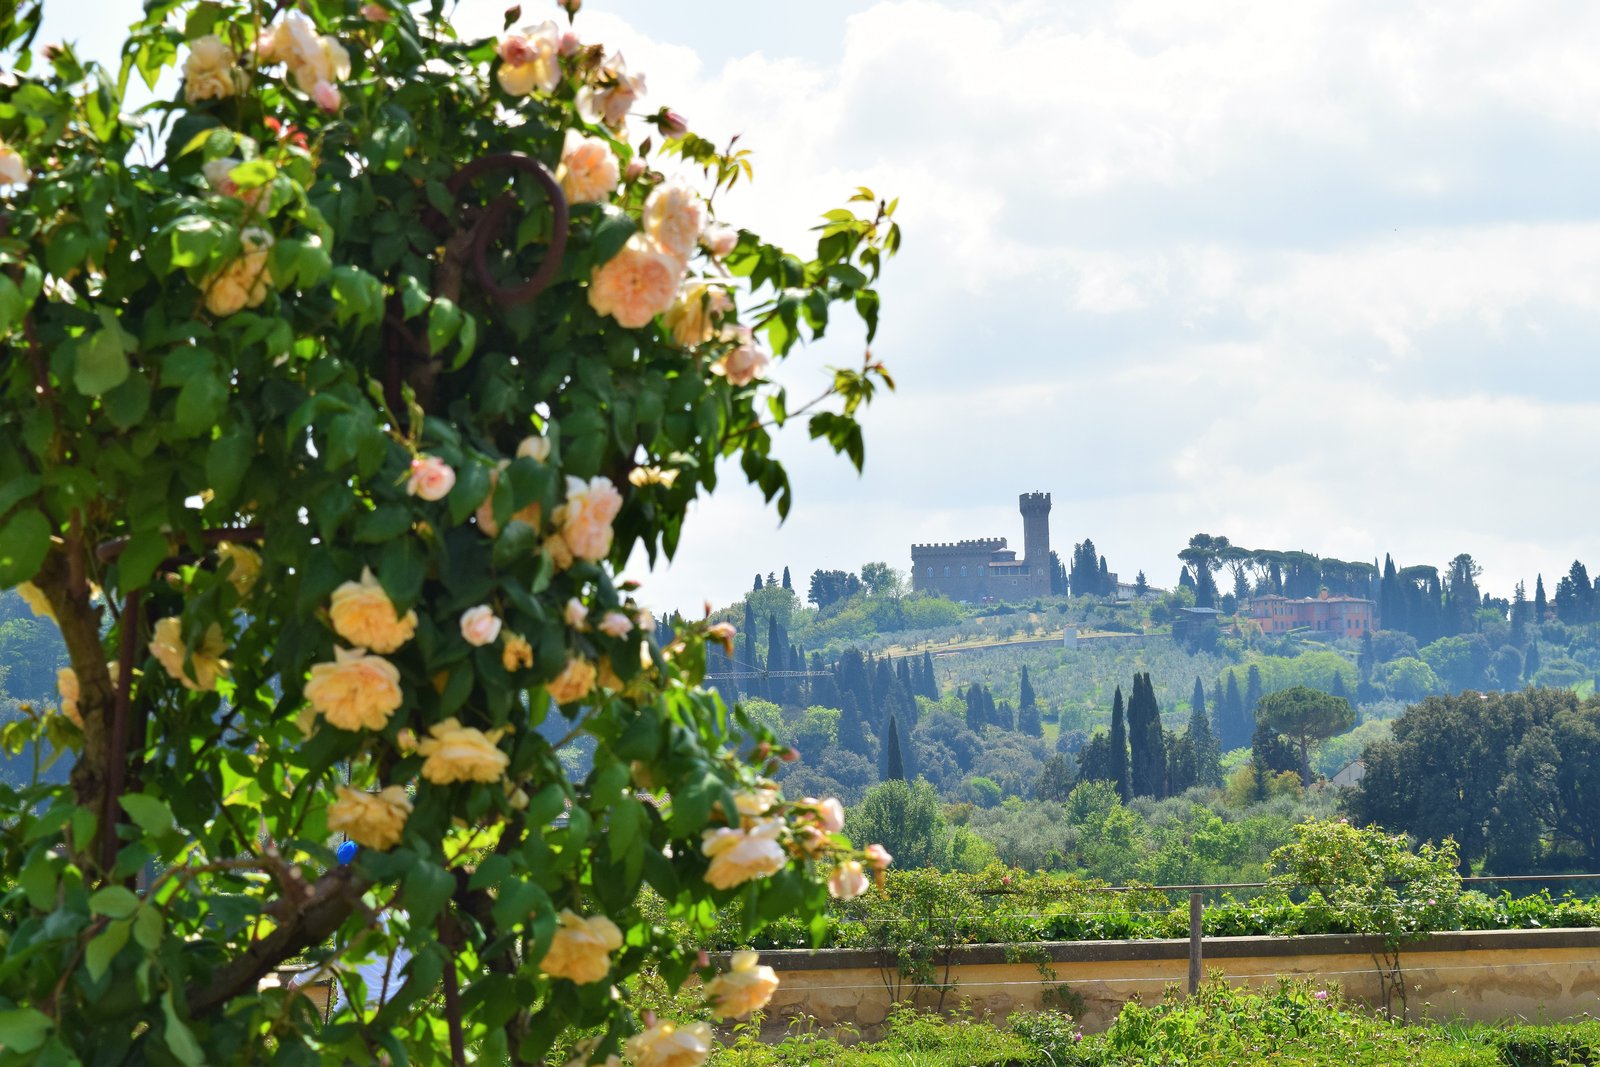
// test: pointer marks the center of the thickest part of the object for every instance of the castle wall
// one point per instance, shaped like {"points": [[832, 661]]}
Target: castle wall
{"points": [[958, 570]]}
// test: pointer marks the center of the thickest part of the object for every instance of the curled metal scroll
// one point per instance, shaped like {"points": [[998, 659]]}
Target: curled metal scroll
{"points": [[490, 224]]}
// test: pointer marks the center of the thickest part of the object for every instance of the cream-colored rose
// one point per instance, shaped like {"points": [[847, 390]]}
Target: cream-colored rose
{"points": [[517, 653], [830, 813], [646, 621], [720, 239], [37, 602], [674, 215], [585, 519], [244, 566], [878, 857], [588, 172], [616, 624], [363, 614], [755, 802], [356, 691], [431, 478], [455, 753], [67, 686], [581, 948], [557, 550], [210, 72], [643, 476], [738, 855], [532, 515], [311, 58], [848, 881], [744, 362], [13, 168], [326, 96], [576, 614], [575, 681], [616, 90], [373, 820], [636, 284], [534, 447], [745, 988], [689, 319], [167, 646], [670, 1045], [244, 281], [530, 59], [480, 625]]}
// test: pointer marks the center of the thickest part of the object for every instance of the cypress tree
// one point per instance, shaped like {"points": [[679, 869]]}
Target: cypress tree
{"points": [[1337, 688], [1186, 580], [1026, 698], [1252, 694], [1119, 748], [1179, 773], [1147, 761], [777, 649], [1197, 700], [757, 585], [903, 673], [786, 584], [748, 660], [1531, 662], [1540, 605], [1028, 720], [1004, 717], [894, 767], [976, 719], [1203, 750], [852, 738], [1237, 732], [1104, 576], [930, 683]]}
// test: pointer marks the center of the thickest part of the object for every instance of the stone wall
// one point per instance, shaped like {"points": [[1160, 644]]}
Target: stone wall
{"points": [[1545, 975]]}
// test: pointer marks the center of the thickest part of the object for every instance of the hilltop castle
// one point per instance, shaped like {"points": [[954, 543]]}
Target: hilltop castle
{"points": [[972, 570]]}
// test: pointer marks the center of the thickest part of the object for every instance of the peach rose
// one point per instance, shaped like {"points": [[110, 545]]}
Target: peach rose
{"points": [[636, 284], [532, 515], [830, 813], [534, 447], [326, 96], [530, 59], [356, 691], [456, 753], [431, 478], [744, 362], [480, 625], [576, 614], [755, 802], [848, 881], [588, 171], [646, 621], [67, 686], [372, 820], [167, 646], [581, 948], [616, 624], [745, 988], [209, 73], [13, 168], [575, 681], [585, 519], [723, 634], [244, 280], [244, 566], [674, 215], [608, 101], [670, 1045], [517, 654], [878, 857], [690, 318], [37, 602], [311, 58], [738, 855], [720, 239], [363, 614], [557, 550]]}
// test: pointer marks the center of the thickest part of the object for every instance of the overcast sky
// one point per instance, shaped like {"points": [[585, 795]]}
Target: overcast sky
{"points": [[1321, 276]]}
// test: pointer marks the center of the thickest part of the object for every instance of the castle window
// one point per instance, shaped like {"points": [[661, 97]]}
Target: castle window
{"points": [[947, 572], [930, 570], [963, 572]]}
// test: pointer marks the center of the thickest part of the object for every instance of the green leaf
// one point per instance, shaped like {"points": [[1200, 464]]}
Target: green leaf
{"points": [[201, 402], [116, 901], [472, 485], [179, 1037], [147, 928], [128, 403], [101, 363], [444, 320], [23, 1029], [227, 462], [194, 238], [12, 305], [382, 524], [611, 233], [628, 824], [253, 174], [104, 948], [141, 557], [426, 888], [24, 540], [150, 813]]}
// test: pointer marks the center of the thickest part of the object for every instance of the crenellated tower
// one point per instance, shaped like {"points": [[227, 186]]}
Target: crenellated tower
{"points": [[1035, 509]]}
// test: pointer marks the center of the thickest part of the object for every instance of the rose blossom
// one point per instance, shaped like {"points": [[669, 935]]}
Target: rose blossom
{"points": [[830, 813], [848, 881], [755, 802], [879, 857], [738, 855], [480, 625], [745, 988], [373, 820], [689, 319], [585, 519], [643, 476], [456, 753], [356, 691], [243, 281], [674, 215], [723, 633], [609, 101], [744, 362], [645, 620], [575, 681], [670, 1045], [671, 123], [167, 646], [67, 686], [577, 615], [431, 478], [311, 58], [13, 168], [245, 569], [534, 447], [530, 59], [570, 44], [327, 97], [362, 613], [209, 72], [636, 284], [517, 654], [720, 239], [588, 171], [616, 624], [581, 948]]}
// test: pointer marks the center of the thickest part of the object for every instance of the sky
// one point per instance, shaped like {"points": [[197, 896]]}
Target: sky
{"points": [[1318, 276]]}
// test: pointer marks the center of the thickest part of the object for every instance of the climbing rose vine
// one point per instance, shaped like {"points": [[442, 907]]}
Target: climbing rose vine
{"points": [[337, 385]]}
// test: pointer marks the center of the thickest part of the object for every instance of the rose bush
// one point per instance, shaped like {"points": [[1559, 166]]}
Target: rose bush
{"points": [[336, 388]]}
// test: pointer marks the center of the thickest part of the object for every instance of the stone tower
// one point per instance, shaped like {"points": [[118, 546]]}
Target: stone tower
{"points": [[1035, 509]]}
